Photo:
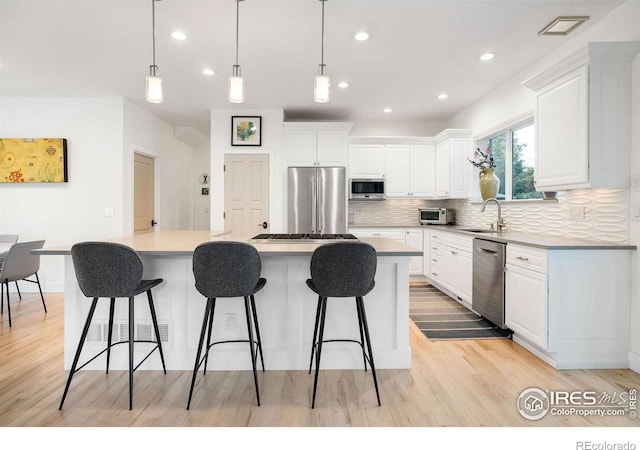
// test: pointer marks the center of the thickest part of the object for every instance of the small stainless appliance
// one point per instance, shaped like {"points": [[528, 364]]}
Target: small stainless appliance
{"points": [[317, 200], [488, 280], [436, 216], [367, 189]]}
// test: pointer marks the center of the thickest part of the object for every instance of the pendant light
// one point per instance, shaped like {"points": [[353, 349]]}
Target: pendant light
{"points": [[153, 81], [236, 82], [321, 82]]}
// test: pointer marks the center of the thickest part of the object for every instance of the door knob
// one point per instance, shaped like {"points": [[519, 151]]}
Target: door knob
{"points": [[263, 225], [153, 223]]}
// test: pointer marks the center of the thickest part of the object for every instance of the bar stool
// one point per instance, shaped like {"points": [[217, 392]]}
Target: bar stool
{"points": [[342, 269], [109, 270], [227, 269]]}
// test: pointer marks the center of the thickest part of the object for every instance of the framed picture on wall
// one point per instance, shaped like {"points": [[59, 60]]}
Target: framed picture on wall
{"points": [[246, 131], [33, 160]]}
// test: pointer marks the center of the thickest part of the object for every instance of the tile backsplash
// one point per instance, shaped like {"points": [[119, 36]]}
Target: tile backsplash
{"points": [[597, 214]]}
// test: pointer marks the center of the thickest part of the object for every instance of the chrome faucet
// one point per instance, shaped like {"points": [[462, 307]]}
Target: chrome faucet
{"points": [[500, 222]]}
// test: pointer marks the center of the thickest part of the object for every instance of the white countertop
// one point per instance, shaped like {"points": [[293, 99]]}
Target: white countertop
{"points": [[184, 242]]}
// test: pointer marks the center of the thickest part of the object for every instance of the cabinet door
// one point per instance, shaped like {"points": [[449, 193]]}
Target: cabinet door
{"points": [[448, 269], [459, 167], [442, 169], [366, 161], [332, 148], [414, 239], [422, 170], [426, 253], [562, 132], [301, 147], [526, 304], [464, 275], [397, 170]]}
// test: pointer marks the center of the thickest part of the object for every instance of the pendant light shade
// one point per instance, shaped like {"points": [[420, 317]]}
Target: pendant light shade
{"points": [[322, 82], [236, 82], [153, 81]]}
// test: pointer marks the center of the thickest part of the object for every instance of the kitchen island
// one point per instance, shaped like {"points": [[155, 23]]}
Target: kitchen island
{"points": [[286, 308]]}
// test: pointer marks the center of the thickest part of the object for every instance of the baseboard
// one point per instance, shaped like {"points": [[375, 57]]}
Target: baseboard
{"points": [[634, 361]]}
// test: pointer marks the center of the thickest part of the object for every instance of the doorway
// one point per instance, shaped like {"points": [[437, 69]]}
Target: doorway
{"points": [[143, 194], [246, 194]]}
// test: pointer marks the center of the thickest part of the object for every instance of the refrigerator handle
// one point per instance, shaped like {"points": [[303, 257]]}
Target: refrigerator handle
{"points": [[320, 202], [314, 203]]}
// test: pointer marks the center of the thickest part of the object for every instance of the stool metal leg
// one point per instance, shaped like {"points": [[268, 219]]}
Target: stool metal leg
{"points": [[131, 339], [209, 332], [257, 327], [83, 337], [366, 334], [152, 309], [319, 350], [200, 342], [112, 305], [253, 355], [364, 356], [315, 332]]}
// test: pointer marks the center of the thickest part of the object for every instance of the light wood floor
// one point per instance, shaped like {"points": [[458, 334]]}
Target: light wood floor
{"points": [[451, 383]]}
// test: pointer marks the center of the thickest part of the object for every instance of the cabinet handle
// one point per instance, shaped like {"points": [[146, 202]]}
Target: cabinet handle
{"points": [[434, 260], [454, 253], [522, 258], [434, 274], [376, 234]]}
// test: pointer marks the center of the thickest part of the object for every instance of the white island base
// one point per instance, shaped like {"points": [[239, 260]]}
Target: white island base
{"points": [[286, 311]]}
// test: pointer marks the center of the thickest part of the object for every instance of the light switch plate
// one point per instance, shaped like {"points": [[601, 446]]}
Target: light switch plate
{"points": [[108, 212], [576, 212], [635, 182], [634, 207]]}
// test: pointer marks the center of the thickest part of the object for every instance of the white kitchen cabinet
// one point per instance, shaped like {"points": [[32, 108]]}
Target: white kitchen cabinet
{"points": [[413, 238], [406, 164], [451, 169], [583, 119], [397, 234], [569, 306], [316, 143], [451, 264], [366, 161], [526, 293]]}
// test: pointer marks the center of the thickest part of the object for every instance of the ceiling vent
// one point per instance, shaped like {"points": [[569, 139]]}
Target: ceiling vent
{"points": [[563, 25]]}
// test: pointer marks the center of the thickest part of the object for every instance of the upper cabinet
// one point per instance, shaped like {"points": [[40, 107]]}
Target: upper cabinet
{"points": [[316, 143], [452, 170], [583, 119], [406, 164]]}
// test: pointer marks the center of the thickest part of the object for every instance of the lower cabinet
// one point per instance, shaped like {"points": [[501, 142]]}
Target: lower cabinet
{"points": [[570, 307], [413, 238], [450, 264]]}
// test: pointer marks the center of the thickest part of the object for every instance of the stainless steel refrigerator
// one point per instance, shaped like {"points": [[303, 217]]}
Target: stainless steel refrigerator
{"points": [[317, 200]]}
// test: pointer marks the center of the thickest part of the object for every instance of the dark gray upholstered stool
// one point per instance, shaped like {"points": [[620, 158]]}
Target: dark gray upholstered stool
{"points": [[19, 264], [227, 269], [109, 270], [342, 269]]}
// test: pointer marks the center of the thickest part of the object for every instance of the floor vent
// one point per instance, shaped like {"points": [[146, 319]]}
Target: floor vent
{"points": [[99, 332]]}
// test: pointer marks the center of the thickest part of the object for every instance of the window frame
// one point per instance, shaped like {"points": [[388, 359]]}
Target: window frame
{"points": [[507, 128]]}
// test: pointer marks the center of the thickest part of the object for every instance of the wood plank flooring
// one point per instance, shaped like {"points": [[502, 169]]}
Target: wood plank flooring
{"points": [[471, 383]]}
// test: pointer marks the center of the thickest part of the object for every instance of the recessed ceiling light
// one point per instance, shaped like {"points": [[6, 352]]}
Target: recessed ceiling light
{"points": [[208, 72], [487, 56], [563, 25], [361, 36], [388, 110], [178, 35], [443, 95], [343, 84]]}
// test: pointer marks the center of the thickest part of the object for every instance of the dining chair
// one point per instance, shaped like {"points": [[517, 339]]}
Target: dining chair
{"points": [[9, 239]]}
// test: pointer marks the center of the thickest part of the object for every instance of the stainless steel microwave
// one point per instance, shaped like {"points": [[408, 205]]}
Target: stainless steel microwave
{"points": [[366, 189], [436, 216]]}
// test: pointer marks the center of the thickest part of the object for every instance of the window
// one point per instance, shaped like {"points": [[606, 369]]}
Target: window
{"points": [[513, 151]]}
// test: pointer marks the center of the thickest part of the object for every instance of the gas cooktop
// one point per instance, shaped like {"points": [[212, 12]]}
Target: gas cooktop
{"points": [[301, 238]]}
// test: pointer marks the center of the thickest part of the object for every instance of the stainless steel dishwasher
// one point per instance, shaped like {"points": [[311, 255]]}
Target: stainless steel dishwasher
{"points": [[488, 280]]}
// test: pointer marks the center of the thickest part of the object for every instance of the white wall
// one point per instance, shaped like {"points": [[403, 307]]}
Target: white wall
{"points": [[73, 211], [272, 144], [201, 203], [397, 128], [512, 99], [102, 134]]}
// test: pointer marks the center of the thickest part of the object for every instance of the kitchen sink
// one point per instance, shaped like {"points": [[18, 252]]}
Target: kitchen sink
{"points": [[480, 230]]}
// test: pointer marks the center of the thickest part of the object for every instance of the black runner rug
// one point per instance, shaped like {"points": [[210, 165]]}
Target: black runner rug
{"points": [[439, 317]]}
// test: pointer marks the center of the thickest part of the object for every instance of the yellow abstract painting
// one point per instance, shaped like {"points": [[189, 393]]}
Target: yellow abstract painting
{"points": [[42, 160]]}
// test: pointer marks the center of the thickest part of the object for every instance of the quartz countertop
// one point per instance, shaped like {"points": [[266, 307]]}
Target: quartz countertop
{"points": [[184, 242], [517, 237]]}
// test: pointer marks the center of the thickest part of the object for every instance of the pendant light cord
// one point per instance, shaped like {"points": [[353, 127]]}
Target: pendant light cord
{"points": [[153, 67], [236, 67], [322, 42]]}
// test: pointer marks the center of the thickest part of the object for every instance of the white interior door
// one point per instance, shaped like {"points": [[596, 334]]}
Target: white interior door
{"points": [[143, 197], [246, 194]]}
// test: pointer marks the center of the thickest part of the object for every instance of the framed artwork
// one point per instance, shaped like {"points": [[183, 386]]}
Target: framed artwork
{"points": [[42, 160], [246, 130]]}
